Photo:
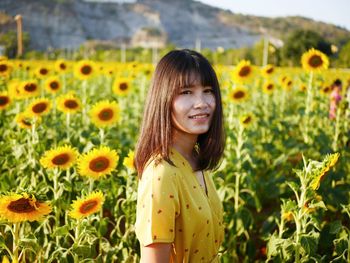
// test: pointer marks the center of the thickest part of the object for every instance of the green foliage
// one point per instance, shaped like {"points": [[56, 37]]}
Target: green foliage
{"points": [[299, 42], [344, 56], [9, 41]]}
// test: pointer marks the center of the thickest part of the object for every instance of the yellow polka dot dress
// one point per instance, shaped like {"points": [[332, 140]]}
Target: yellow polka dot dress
{"points": [[172, 207]]}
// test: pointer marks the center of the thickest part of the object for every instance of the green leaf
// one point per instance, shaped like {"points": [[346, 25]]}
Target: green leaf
{"points": [[335, 227], [309, 243], [274, 245], [29, 243], [83, 250], [61, 231]]}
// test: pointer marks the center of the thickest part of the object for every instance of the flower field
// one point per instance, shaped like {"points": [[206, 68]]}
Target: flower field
{"points": [[68, 187]]}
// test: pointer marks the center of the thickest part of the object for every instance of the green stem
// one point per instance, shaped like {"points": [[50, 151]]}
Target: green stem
{"points": [[308, 102], [102, 135], [337, 131], [84, 86], [15, 258], [68, 126], [239, 146], [91, 184], [56, 197]]}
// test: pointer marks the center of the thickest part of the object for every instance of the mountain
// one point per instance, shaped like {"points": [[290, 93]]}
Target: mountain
{"points": [[70, 23]]}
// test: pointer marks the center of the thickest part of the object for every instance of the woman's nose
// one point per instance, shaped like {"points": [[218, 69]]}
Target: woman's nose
{"points": [[200, 101]]}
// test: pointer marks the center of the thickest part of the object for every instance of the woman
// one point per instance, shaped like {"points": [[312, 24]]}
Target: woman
{"points": [[179, 214]]}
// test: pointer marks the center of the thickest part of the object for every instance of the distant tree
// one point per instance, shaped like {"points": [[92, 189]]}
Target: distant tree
{"points": [[344, 56], [300, 41], [9, 41]]}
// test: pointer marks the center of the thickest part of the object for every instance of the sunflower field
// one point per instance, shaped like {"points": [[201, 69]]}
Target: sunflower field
{"points": [[68, 187]]}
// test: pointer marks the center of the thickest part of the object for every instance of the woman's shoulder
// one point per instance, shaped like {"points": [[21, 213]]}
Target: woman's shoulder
{"points": [[159, 167]]}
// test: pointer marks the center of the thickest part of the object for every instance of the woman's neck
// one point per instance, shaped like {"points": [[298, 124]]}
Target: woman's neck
{"points": [[185, 143]]}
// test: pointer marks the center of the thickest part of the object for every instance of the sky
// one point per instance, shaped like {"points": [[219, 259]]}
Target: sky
{"points": [[330, 11]]}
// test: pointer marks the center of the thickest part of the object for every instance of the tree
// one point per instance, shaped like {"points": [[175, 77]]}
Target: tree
{"points": [[300, 41], [344, 56], [9, 41]]}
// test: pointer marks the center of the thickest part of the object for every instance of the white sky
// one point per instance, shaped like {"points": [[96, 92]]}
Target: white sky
{"points": [[330, 11]]}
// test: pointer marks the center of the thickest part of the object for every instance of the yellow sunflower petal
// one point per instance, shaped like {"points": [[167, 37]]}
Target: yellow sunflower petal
{"points": [[314, 60], [22, 207], [98, 162], [86, 206], [62, 157], [104, 113]]}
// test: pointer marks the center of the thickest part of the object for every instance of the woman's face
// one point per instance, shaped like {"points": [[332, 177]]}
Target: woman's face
{"points": [[193, 109]]}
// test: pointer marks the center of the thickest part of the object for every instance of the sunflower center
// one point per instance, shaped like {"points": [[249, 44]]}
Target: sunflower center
{"points": [[21, 205], [43, 71], [60, 159], [239, 94], [269, 87], [30, 87], [71, 104], [63, 66], [315, 61], [88, 206], [99, 164], [26, 122], [86, 69], [54, 85], [244, 71], [123, 86], [269, 70], [4, 100], [39, 107], [3, 67], [105, 114], [247, 120]]}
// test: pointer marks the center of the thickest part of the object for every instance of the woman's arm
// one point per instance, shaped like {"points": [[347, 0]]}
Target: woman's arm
{"points": [[156, 253]]}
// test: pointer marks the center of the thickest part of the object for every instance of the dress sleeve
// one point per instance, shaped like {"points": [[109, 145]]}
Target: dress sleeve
{"points": [[157, 204]]}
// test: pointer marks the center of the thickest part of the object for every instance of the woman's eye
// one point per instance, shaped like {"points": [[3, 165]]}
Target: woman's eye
{"points": [[186, 92], [209, 91]]}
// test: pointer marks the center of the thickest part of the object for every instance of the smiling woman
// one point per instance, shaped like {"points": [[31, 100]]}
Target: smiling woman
{"points": [[179, 213]]}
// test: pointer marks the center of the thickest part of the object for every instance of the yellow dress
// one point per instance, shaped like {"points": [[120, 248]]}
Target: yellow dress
{"points": [[172, 207]]}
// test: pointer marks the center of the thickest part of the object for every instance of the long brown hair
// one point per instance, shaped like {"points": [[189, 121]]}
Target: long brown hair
{"points": [[173, 72]]}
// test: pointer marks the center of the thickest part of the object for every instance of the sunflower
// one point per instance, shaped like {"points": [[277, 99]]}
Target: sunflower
{"points": [[26, 120], [329, 162], [22, 207], [98, 162], [287, 84], [314, 60], [268, 87], [42, 72], [129, 160], [68, 103], [5, 68], [121, 86], [29, 88], [326, 90], [267, 71], [104, 113], [84, 69], [53, 84], [5, 100], [246, 120], [39, 107], [288, 216], [14, 89], [243, 72], [86, 206], [238, 94], [302, 87], [62, 157], [61, 66]]}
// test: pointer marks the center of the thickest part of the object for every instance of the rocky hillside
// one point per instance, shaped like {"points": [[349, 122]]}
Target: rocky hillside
{"points": [[70, 23]]}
